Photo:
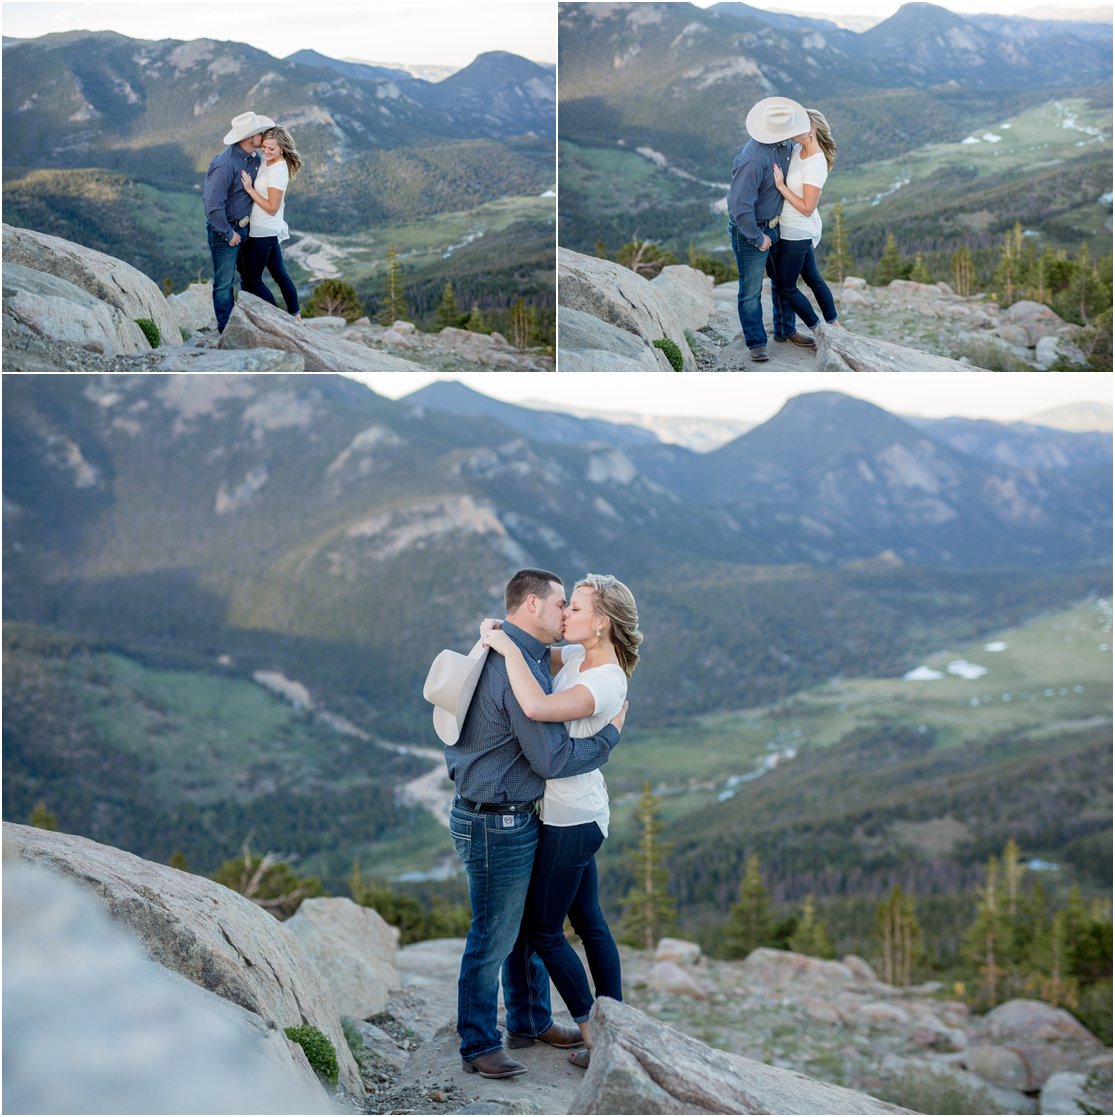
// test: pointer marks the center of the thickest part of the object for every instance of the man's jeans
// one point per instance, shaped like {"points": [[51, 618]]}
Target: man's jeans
{"points": [[226, 260], [751, 264], [498, 854]]}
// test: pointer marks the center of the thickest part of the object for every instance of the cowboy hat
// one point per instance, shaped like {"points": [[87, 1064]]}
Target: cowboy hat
{"points": [[247, 124], [450, 686], [775, 119]]}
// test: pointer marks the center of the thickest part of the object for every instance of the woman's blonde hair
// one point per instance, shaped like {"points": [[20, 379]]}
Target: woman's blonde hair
{"points": [[824, 135], [286, 145], [612, 599]]}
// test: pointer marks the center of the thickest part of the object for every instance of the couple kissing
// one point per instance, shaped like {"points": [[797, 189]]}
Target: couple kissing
{"points": [[527, 730]]}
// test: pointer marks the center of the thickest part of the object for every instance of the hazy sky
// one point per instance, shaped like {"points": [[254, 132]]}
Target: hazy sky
{"points": [[757, 396], [441, 32]]}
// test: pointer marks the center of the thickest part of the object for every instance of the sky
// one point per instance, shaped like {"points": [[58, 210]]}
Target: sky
{"points": [[1002, 396], [426, 32], [884, 9]]}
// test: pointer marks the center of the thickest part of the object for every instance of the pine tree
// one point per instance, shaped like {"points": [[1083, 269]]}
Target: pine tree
{"points": [[178, 861], [477, 323], [333, 298], [899, 937], [394, 305], [648, 908], [750, 923], [810, 935], [601, 250], [522, 324], [1083, 281], [920, 272], [890, 263], [1009, 274], [962, 272], [448, 312], [42, 817], [838, 265], [986, 939]]}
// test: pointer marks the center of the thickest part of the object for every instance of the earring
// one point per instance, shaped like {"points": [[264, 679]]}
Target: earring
{"points": [[599, 633]]}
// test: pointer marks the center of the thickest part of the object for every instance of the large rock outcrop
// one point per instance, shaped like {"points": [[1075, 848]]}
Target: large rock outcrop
{"points": [[618, 296], [94, 1026], [104, 277], [840, 350], [212, 936], [642, 1066], [353, 949], [255, 322]]}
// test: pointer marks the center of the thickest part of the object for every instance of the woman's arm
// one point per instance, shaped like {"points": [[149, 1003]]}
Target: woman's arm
{"points": [[274, 197], [805, 205], [577, 702]]}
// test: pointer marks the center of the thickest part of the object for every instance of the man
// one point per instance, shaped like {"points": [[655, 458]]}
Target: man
{"points": [[754, 204], [500, 765], [227, 204]]}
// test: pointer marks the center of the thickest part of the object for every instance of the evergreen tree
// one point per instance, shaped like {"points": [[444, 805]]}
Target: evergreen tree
{"points": [[838, 264], [750, 923], [522, 324], [920, 272], [333, 298], [477, 323], [986, 939], [962, 272], [1082, 284], [810, 936], [448, 312], [178, 861], [890, 263], [1008, 275], [601, 250], [394, 305], [648, 908], [42, 817], [899, 937]]}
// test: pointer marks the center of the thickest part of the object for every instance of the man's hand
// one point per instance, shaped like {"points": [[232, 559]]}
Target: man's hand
{"points": [[765, 243], [620, 718], [234, 240]]}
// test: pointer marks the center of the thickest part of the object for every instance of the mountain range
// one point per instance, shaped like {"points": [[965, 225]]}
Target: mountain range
{"points": [[673, 83], [172, 546], [105, 135], [309, 524]]}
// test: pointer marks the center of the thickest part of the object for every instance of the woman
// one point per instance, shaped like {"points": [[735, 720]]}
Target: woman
{"points": [[799, 225], [590, 685], [260, 250]]}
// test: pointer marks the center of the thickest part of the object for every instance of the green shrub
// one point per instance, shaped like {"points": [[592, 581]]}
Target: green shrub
{"points": [[333, 298], [320, 1052], [186, 334], [992, 357], [672, 351], [931, 1091], [150, 331]]}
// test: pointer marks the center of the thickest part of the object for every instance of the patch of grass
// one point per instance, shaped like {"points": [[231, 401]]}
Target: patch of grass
{"points": [[319, 1049]]}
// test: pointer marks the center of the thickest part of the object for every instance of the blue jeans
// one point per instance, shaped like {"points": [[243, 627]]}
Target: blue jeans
{"points": [[226, 263], [565, 883], [498, 860], [751, 264], [264, 253], [793, 258]]}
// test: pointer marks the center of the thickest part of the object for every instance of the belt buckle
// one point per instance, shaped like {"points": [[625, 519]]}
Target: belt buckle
{"points": [[773, 222]]}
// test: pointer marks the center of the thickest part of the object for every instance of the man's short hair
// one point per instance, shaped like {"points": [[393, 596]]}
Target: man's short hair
{"points": [[525, 582]]}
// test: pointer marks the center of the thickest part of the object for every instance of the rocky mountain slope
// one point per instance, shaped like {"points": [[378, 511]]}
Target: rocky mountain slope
{"points": [[68, 307], [788, 1033], [612, 317]]}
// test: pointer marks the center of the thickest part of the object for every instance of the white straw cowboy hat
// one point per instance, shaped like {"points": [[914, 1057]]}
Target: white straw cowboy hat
{"points": [[247, 124], [450, 685], [775, 119]]}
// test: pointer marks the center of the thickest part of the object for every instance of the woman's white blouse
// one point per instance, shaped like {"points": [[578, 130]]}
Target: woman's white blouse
{"points": [[575, 800], [792, 223], [264, 224]]}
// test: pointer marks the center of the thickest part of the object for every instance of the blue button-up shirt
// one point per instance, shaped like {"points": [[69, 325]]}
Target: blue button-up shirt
{"points": [[226, 200], [504, 757], [753, 197]]}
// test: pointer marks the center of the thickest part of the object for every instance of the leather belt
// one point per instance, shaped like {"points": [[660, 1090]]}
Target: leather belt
{"points": [[496, 808]]}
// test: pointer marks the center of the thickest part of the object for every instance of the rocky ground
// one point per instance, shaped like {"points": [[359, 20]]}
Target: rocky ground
{"points": [[832, 1021], [69, 308], [929, 318]]}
